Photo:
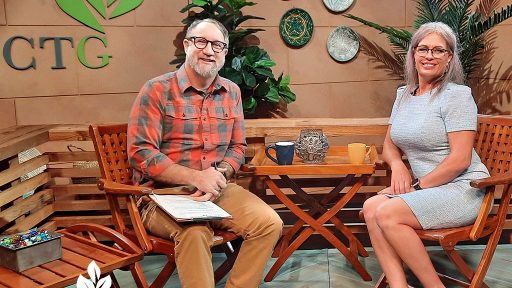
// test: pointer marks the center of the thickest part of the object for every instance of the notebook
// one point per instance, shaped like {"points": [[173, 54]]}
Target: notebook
{"points": [[183, 209]]}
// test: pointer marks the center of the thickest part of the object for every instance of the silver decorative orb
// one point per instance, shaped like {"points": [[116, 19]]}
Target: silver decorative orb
{"points": [[311, 146]]}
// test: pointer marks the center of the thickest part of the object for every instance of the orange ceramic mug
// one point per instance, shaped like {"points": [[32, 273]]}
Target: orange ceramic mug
{"points": [[357, 152]]}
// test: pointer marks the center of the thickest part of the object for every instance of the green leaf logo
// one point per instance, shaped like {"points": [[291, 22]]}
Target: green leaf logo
{"points": [[79, 10]]}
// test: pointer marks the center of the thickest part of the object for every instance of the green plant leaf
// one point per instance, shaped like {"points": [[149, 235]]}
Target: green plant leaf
{"points": [[125, 6], [249, 104], [200, 2], [287, 95], [265, 63], [81, 13], [98, 6], [261, 90], [272, 95], [480, 27], [264, 71], [110, 2], [233, 75], [285, 81], [237, 63], [249, 79]]}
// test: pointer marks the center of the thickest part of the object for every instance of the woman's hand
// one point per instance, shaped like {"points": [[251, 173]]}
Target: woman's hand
{"points": [[400, 179]]}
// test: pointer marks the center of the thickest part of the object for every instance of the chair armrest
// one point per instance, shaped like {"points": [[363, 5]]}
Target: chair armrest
{"points": [[483, 213], [381, 164], [248, 168], [121, 240], [491, 181], [122, 189]]}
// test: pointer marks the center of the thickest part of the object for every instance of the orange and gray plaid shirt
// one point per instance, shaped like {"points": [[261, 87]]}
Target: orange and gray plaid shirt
{"points": [[171, 122]]}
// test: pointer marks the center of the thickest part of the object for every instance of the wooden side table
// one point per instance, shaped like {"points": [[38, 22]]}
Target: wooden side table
{"points": [[79, 248], [320, 211]]}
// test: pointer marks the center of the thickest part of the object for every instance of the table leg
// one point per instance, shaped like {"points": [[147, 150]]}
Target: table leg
{"points": [[318, 226], [317, 208]]}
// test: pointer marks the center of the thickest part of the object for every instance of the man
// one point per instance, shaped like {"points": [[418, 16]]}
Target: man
{"points": [[180, 124]]}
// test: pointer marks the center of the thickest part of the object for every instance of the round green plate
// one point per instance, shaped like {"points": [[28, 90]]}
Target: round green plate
{"points": [[343, 44], [296, 27]]}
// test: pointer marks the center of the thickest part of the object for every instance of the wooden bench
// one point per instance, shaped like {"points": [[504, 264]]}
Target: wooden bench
{"points": [[78, 251]]}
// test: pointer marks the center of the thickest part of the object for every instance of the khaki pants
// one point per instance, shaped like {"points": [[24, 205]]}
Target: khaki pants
{"points": [[256, 222]]}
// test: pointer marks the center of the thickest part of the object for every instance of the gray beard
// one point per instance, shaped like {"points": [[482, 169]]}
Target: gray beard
{"points": [[207, 73]]}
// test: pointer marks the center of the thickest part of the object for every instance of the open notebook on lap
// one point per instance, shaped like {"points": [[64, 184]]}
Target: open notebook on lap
{"points": [[183, 209]]}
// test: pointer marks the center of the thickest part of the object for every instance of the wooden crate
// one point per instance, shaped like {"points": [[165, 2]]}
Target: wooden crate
{"points": [[20, 211], [74, 172]]}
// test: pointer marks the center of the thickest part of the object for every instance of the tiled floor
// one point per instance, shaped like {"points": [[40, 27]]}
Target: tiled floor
{"points": [[328, 269]]}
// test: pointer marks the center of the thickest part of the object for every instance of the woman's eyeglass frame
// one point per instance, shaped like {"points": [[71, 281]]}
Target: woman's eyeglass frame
{"points": [[436, 52], [217, 46]]}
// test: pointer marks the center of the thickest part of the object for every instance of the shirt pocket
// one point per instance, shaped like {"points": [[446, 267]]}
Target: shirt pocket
{"points": [[221, 124], [181, 124]]}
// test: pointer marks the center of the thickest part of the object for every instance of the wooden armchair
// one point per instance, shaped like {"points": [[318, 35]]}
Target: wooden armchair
{"points": [[116, 174], [494, 145]]}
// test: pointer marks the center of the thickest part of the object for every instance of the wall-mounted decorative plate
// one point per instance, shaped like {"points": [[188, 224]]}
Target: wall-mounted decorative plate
{"points": [[296, 27], [343, 44], [338, 5]]}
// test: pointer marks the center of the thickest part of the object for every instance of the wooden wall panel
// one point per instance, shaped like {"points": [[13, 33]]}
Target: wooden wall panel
{"points": [[2, 12], [142, 42], [160, 13], [74, 109], [7, 112], [138, 54]]}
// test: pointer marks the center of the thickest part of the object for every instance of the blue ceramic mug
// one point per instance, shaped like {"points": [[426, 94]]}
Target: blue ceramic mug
{"points": [[284, 152]]}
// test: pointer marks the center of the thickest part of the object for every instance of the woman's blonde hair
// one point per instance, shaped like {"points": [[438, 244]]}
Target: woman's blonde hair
{"points": [[454, 72]]}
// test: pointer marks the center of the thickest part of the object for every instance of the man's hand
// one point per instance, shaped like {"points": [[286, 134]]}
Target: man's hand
{"points": [[226, 168], [202, 197], [209, 181]]}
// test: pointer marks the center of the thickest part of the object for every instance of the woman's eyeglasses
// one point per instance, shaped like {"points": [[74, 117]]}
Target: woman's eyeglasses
{"points": [[201, 43], [436, 51]]}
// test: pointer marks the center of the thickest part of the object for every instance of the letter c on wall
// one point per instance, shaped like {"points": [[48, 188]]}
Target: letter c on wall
{"points": [[8, 52]]}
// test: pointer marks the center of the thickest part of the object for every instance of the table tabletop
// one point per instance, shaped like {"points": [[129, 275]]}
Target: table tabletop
{"points": [[335, 162], [77, 253]]}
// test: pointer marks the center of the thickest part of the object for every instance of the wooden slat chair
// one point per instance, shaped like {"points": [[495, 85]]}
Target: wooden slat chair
{"points": [[494, 145], [116, 174]]}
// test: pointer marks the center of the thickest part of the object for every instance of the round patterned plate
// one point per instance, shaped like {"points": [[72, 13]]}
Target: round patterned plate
{"points": [[338, 5], [343, 44], [296, 27]]}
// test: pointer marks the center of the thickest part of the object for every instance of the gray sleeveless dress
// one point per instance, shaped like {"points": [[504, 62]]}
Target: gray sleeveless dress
{"points": [[419, 127]]}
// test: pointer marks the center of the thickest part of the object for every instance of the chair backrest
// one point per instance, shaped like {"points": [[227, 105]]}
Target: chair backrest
{"points": [[110, 146], [494, 143], [111, 150]]}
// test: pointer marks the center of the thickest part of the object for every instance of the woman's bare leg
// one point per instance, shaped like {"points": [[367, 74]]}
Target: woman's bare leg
{"points": [[388, 259], [397, 223]]}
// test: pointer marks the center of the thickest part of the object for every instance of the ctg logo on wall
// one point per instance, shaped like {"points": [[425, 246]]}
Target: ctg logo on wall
{"points": [[86, 12]]}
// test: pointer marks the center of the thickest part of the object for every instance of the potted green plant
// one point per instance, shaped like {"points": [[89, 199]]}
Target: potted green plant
{"points": [[470, 26], [247, 65]]}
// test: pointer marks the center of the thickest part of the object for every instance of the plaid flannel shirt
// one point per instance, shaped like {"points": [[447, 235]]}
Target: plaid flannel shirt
{"points": [[173, 123]]}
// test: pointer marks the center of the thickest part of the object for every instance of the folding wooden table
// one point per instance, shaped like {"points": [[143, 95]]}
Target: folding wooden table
{"points": [[319, 212], [78, 250]]}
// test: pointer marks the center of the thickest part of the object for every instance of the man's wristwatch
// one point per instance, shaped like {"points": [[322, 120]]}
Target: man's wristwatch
{"points": [[416, 184]]}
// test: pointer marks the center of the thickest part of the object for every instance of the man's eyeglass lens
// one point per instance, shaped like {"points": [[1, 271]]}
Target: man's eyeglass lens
{"points": [[436, 52], [201, 43]]}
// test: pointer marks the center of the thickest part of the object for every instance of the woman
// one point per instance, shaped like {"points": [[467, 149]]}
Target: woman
{"points": [[433, 123]]}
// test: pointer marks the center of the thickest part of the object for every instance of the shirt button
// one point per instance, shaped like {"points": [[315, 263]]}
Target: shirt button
{"points": [[204, 118], [206, 139], [204, 157]]}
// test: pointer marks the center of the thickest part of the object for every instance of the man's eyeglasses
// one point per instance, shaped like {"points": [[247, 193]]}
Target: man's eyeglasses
{"points": [[436, 51], [201, 43]]}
